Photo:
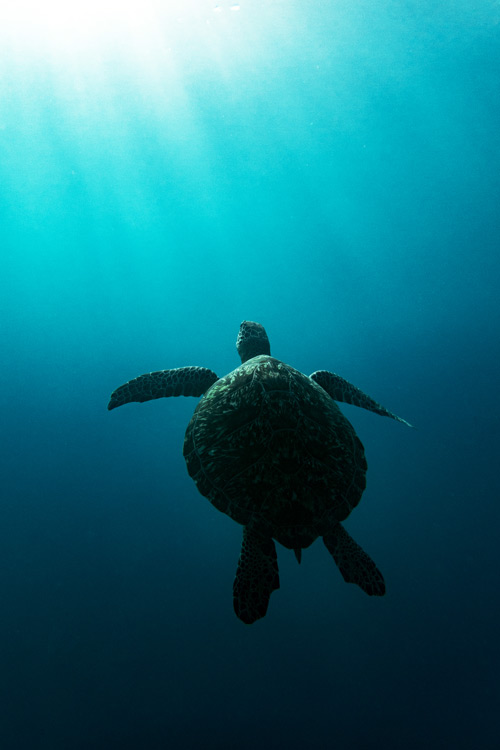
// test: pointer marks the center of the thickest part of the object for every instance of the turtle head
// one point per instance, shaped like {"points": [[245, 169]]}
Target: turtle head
{"points": [[252, 340]]}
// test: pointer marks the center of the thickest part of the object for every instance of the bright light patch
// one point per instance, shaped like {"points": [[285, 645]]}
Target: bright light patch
{"points": [[70, 26], [59, 17], [154, 47], [62, 26]]}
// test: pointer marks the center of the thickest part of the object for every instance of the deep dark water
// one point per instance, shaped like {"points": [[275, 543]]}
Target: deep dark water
{"points": [[332, 171]]}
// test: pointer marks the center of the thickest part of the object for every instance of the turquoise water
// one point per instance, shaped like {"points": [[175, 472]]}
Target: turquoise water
{"points": [[168, 169]]}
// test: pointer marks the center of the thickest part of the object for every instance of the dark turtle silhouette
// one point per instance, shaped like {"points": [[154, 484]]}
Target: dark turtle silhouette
{"points": [[269, 447]]}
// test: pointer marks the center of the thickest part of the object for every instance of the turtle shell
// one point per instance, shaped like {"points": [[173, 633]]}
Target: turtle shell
{"points": [[267, 444]]}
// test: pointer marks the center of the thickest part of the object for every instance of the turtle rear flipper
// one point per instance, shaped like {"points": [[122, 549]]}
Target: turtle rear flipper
{"points": [[256, 576], [353, 562]]}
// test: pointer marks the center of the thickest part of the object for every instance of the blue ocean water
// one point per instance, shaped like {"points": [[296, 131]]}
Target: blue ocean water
{"points": [[168, 169]]}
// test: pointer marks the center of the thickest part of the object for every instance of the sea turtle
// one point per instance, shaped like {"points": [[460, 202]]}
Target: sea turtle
{"points": [[269, 447]]}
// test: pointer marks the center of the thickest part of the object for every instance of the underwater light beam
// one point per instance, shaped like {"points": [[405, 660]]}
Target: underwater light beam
{"points": [[59, 24]]}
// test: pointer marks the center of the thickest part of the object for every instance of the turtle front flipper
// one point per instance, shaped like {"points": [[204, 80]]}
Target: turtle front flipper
{"points": [[256, 576], [181, 381], [353, 562], [341, 390]]}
